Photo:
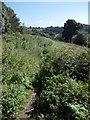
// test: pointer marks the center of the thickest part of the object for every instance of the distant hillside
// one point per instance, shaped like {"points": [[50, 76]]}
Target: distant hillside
{"points": [[50, 32], [53, 32], [11, 24], [56, 33]]}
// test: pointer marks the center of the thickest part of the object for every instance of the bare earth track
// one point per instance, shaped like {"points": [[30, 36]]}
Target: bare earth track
{"points": [[28, 108]]}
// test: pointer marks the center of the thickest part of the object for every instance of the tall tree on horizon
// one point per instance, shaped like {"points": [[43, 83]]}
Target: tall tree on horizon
{"points": [[71, 28]]}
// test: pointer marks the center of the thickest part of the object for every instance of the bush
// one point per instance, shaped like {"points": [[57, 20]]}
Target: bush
{"points": [[62, 85], [18, 72], [80, 39], [63, 98], [14, 96], [68, 62], [60, 79]]}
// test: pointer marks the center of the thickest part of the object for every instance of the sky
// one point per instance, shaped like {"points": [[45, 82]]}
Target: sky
{"points": [[44, 14]]}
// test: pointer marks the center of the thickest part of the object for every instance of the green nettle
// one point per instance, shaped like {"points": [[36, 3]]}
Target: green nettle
{"points": [[58, 72], [14, 96], [63, 98], [62, 86], [19, 69]]}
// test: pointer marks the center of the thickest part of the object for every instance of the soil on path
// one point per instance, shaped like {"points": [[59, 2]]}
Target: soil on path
{"points": [[28, 108]]}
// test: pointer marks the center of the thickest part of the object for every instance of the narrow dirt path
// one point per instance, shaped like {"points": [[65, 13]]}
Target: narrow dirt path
{"points": [[28, 108]]}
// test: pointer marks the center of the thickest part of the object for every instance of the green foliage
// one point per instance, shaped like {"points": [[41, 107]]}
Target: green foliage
{"points": [[89, 29], [63, 98], [69, 61], [70, 29], [79, 111], [24, 30], [19, 69], [49, 32], [21, 58], [88, 40], [80, 39], [62, 84], [10, 22], [58, 71], [14, 96]]}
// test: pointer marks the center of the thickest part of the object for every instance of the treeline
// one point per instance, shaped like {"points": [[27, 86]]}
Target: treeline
{"points": [[72, 31], [50, 32], [54, 32], [10, 23]]}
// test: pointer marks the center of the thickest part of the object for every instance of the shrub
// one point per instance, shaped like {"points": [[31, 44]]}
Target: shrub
{"points": [[63, 98], [67, 62], [14, 96], [62, 85], [79, 39]]}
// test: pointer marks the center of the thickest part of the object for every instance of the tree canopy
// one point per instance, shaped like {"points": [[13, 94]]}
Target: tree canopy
{"points": [[10, 22], [71, 28]]}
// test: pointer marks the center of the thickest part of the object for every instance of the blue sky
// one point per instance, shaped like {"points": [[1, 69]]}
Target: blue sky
{"points": [[43, 14]]}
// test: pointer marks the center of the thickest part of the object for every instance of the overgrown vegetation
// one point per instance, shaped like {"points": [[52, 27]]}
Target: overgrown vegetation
{"points": [[21, 58], [62, 84], [59, 72]]}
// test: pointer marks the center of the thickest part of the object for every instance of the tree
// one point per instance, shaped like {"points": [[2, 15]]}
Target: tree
{"points": [[14, 21], [23, 29], [10, 22], [79, 39], [89, 29], [71, 28]]}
